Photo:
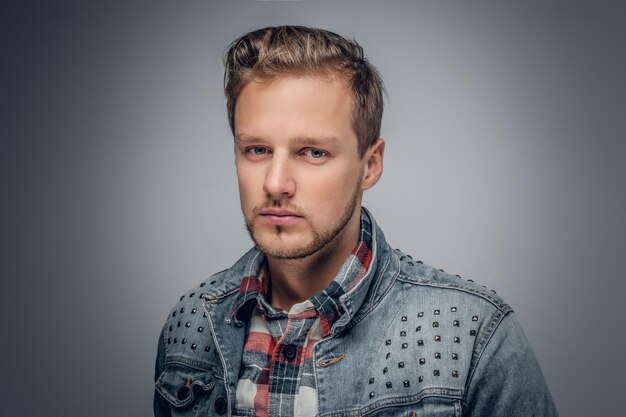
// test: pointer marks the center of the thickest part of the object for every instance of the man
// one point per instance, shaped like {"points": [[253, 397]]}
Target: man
{"points": [[322, 317]]}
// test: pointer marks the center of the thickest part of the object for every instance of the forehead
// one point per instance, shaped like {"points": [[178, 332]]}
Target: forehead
{"points": [[298, 106]]}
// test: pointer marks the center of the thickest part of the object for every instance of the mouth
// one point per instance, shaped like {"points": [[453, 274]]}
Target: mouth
{"points": [[280, 216]]}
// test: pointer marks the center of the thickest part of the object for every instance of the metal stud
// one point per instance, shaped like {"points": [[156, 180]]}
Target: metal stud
{"points": [[406, 383], [400, 364], [178, 324], [174, 314], [453, 309], [411, 263], [455, 356], [388, 385], [456, 323], [403, 318], [437, 355], [422, 361], [212, 282], [182, 310], [227, 320], [455, 374], [388, 342], [183, 341], [388, 355], [169, 340], [457, 339], [420, 342], [207, 349], [192, 294], [420, 314], [436, 372], [405, 345], [194, 310], [204, 314], [171, 328], [437, 338], [474, 318], [203, 284], [385, 370], [418, 328], [181, 297], [194, 346], [435, 324], [472, 332], [372, 394], [188, 324], [371, 380], [402, 333], [436, 312], [175, 340], [200, 329], [421, 378]]}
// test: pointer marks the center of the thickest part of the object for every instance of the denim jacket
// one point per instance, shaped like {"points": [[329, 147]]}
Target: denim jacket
{"points": [[412, 341]]}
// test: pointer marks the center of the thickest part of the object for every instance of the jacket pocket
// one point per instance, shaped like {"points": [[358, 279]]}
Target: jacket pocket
{"points": [[183, 386]]}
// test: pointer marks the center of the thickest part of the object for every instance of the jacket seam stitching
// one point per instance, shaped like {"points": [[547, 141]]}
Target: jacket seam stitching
{"points": [[495, 324], [502, 306], [357, 318]]}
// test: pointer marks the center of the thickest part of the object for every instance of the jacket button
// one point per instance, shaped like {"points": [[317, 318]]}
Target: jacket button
{"points": [[220, 406], [183, 393], [289, 352]]}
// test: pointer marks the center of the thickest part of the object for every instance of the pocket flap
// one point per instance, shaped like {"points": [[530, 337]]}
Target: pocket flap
{"points": [[177, 384]]}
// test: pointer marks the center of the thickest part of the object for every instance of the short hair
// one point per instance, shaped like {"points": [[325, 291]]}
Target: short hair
{"points": [[296, 50]]}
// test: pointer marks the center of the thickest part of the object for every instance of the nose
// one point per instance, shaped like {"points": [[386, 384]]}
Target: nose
{"points": [[279, 181]]}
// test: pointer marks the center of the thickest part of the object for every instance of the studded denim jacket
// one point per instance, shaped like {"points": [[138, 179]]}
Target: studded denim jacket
{"points": [[412, 341]]}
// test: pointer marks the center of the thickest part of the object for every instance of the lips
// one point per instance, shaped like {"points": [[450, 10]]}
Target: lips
{"points": [[277, 211], [280, 216]]}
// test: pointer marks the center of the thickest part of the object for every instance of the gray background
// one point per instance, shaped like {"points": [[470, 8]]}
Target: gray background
{"points": [[505, 164]]}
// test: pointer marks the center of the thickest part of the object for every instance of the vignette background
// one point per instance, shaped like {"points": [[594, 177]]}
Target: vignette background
{"points": [[505, 163]]}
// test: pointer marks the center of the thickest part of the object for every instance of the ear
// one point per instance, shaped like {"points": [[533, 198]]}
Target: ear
{"points": [[373, 159]]}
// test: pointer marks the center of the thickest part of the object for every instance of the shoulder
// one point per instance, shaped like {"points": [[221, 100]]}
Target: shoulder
{"points": [[420, 277], [185, 330], [445, 310]]}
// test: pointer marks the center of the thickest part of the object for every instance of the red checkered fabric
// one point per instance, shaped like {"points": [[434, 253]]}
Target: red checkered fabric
{"points": [[276, 377]]}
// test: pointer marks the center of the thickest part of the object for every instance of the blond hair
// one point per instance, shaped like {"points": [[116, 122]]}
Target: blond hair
{"points": [[296, 50]]}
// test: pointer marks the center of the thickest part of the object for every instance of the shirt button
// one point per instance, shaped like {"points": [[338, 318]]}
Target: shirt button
{"points": [[220, 406], [289, 352], [182, 393]]}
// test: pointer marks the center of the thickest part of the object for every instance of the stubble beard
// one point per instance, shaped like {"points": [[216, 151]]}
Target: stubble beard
{"points": [[318, 239]]}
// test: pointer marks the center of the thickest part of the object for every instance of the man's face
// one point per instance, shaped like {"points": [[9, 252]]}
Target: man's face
{"points": [[299, 171]]}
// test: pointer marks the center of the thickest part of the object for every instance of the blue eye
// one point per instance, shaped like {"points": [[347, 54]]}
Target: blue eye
{"points": [[257, 150], [316, 153]]}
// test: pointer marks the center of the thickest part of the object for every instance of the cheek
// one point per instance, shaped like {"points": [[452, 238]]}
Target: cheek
{"points": [[246, 189], [332, 188]]}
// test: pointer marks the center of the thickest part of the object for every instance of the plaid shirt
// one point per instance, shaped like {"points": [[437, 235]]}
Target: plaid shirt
{"points": [[276, 377]]}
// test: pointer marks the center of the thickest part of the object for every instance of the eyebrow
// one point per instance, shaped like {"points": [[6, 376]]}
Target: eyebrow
{"points": [[316, 141], [296, 140], [246, 139]]}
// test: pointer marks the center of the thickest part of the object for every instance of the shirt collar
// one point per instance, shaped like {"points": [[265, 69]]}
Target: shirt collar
{"points": [[255, 285]]}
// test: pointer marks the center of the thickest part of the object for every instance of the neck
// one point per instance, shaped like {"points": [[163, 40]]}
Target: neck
{"points": [[296, 280]]}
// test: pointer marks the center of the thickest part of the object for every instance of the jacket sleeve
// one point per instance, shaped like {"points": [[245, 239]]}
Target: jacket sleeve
{"points": [[507, 380], [161, 406]]}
